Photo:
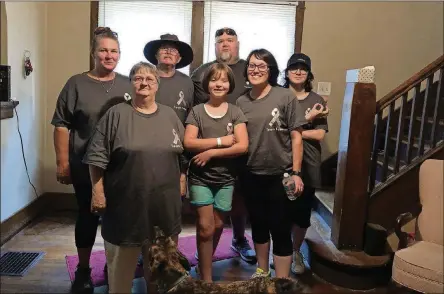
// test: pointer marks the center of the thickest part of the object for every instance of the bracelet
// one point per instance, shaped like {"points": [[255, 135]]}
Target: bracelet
{"points": [[295, 173], [219, 142]]}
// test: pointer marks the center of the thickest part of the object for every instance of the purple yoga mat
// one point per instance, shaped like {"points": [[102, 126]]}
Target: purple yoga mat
{"points": [[187, 245]]}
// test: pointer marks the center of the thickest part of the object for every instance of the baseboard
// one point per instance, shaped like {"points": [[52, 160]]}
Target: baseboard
{"points": [[14, 224]]}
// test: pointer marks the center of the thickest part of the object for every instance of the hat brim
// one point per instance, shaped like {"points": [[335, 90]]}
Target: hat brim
{"points": [[299, 62], [185, 51]]}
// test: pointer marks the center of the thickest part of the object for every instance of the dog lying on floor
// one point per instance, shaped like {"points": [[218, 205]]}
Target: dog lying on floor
{"points": [[169, 268]]}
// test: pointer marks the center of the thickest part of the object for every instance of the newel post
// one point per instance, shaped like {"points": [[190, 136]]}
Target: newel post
{"points": [[353, 169]]}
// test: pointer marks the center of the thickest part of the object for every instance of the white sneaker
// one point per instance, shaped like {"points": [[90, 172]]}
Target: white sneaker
{"points": [[297, 266]]}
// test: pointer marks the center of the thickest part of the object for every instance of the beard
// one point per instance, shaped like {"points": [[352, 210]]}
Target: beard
{"points": [[225, 56]]}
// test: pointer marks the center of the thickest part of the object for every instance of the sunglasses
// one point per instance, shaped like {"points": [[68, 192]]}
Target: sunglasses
{"points": [[229, 32], [104, 30]]}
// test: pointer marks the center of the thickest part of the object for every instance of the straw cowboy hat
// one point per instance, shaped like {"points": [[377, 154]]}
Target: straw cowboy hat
{"points": [[185, 51]]}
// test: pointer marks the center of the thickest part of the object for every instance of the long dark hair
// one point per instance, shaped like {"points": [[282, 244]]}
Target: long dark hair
{"points": [[265, 55]]}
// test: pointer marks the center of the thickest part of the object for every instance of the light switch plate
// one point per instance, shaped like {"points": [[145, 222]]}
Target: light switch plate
{"points": [[324, 88]]}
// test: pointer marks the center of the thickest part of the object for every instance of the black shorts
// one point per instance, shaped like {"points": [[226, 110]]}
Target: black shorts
{"points": [[300, 209]]}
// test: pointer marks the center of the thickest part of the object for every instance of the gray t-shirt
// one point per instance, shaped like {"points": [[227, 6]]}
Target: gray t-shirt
{"points": [[311, 163], [81, 103], [200, 96], [218, 171], [270, 121], [140, 155], [177, 92]]}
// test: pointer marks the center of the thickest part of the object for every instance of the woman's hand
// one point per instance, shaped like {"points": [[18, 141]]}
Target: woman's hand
{"points": [[228, 141], [202, 158], [317, 111], [183, 185], [63, 173], [98, 203], [299, 185]]}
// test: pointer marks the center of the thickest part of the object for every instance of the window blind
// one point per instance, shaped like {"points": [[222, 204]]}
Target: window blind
{"points": [[258, 25], [138, 22]]}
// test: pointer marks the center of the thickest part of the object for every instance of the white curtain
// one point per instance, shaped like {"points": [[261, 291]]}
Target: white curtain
{"points": [[138, 22]]}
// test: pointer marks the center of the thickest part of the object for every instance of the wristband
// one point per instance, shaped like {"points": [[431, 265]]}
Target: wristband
{"points": [[295, 173], [219, 142]]}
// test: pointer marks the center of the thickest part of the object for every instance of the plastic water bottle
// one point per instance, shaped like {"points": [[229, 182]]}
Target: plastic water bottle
{"points": [[289, 186]]}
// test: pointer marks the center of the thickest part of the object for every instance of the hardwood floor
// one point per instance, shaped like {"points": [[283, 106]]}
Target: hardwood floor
{"points": [[54, 235]]}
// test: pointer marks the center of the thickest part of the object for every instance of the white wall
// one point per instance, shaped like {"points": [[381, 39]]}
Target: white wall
{"points": [[26, 31]]}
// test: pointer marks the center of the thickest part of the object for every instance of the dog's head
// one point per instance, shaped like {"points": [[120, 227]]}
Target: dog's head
{"points": [[165, 257]]}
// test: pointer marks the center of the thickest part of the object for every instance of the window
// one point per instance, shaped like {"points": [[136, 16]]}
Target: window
{"points": [[258, 25], [138, 22]]}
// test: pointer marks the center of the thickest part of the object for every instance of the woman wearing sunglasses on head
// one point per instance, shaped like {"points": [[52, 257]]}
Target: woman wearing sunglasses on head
{"points": [[82, 102]]}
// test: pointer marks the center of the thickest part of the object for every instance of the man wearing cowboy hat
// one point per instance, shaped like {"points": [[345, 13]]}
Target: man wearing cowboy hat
{"points": [[176, 89]]}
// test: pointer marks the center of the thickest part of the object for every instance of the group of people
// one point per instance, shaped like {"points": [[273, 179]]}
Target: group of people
{"points": [[133, 147]]}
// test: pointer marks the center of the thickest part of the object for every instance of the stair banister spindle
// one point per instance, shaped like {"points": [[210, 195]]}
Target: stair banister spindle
{"points": [[438, 103], [402, 115], [387, 142], [375, 151], [411, 123], [424, 116]]}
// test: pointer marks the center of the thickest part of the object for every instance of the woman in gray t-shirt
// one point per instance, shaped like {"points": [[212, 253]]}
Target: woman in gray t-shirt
{"points": [[81, 103], [275, 147], [215, 134], [134, 162]]}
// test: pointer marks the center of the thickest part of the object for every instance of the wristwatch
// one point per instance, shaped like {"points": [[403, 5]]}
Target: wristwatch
{"points": [[296, 173]]}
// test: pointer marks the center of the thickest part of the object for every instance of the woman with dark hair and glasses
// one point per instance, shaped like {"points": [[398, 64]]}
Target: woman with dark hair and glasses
{"points": [[299, 77], [82, 102], [274, 127]]}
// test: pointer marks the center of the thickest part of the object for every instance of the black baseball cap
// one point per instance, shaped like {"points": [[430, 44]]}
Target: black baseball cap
{"points": [[299, 58]]}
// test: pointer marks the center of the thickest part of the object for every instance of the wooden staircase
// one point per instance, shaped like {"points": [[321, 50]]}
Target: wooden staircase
{"points": [[408, 128]]}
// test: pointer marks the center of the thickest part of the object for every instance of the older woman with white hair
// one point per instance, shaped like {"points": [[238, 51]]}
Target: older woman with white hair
{"points": [[134, 162]]}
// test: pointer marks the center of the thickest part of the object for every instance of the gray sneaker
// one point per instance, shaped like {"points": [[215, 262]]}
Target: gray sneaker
{"points": [[298, 265]]}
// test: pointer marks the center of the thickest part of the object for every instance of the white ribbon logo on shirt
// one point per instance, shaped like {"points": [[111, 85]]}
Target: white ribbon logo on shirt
{"points": [[275, 119], [176, 137], [127, 97], [229, 128], [181, 99]]}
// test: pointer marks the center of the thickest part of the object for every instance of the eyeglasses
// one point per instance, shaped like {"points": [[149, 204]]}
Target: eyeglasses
{"points": [[303, 71], [172, 51], [104, 30], [148, 80], [227, 31], [260, 67]]}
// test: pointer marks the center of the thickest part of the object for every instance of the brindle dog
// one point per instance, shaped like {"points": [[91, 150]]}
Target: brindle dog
{"points": [[169, 268]]}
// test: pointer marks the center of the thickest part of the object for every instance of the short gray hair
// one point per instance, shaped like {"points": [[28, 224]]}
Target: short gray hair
{"points": [[144, 66]]}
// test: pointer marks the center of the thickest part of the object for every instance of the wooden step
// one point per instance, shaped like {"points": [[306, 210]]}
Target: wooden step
{"points": [[324, 202]]}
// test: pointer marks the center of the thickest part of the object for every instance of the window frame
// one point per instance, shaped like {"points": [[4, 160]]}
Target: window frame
{"points": [[197, 30]]}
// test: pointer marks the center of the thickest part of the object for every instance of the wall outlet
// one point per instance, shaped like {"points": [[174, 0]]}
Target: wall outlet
{"points": [[324, 88]]}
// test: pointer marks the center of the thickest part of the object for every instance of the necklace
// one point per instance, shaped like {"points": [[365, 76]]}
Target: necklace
{"points": [[103, 85]]}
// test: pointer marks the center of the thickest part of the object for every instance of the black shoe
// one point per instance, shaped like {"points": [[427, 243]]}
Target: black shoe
{"points": [[140, 260], [82, 282]]}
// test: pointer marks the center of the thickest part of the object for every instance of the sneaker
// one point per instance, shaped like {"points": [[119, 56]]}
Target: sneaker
{"points": [[244, 249], [196, 255], [260, 273], [140, 260], [82, 282], [298, 265]]}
